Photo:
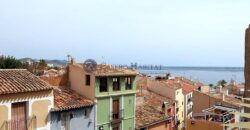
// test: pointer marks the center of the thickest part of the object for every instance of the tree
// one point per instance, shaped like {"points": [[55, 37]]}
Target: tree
{"points": [[222, 83], [10, 62], [42, 63]]}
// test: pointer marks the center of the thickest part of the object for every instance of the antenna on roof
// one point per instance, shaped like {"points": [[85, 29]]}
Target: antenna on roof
{"points": [[69, 58], [103, 60]]}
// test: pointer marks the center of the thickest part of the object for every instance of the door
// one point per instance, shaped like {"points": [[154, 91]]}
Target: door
{"points": [[115, 128], [115, 109], [18, 116]]}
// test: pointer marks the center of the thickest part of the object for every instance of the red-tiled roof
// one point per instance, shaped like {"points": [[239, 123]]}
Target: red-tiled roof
{"points": [[20, 80], [149, 110], [186, 84], [65, 99], [154, 99], [187, 88], [147, 115], [109, 70], [191, 82]]}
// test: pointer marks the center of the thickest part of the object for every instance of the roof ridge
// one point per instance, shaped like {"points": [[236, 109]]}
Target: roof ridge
{"points": [[11, 69]]}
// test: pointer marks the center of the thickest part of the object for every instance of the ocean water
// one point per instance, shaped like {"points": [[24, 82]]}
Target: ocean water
{"points": [[205, 75]]}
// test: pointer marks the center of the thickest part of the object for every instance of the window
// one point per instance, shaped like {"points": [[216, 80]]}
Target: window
{"points": [[87, 80], [128, 83], [103, 85], [65, 121], [116, 109], [116, 84], [86, 113]]}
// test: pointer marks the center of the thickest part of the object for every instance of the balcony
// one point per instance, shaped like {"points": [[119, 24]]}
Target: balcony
{"points": [[177, 110], [28, 124], [189, 111], [117, 117]]}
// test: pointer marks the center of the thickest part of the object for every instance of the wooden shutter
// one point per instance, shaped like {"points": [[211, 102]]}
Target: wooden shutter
{"points": [[18, 116], [115, 106]]}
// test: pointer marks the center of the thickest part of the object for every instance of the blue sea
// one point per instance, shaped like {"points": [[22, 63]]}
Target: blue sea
{"points": [[205, 75]]}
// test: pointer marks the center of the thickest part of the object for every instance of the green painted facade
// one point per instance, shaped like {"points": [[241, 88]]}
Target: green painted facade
{"points": [[104, 105]]}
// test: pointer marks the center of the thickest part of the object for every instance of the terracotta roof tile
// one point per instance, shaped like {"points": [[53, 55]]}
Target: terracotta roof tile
{"points": [[230, 99], [186, 84], [20, 80], [65, 99], [109, 70], [149, 111], [154, 99], [147, 115]]}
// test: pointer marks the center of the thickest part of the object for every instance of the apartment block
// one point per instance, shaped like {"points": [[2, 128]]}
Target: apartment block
{"points": [[113, 91]]}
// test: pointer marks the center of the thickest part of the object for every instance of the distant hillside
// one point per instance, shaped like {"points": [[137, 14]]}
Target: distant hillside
{"points": [[55, 62]]}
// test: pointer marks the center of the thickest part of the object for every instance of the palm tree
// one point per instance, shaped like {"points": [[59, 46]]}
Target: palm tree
{"points": [[222, 83]]}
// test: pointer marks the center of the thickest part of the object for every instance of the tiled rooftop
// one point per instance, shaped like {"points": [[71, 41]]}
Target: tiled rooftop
{"points": [[154, 99], [20, 80], [227, 98], [149, 109], [147, 115], [187, 88], [188, 81], [165, 83], [109, 70], [179, 82], [65, 99]]}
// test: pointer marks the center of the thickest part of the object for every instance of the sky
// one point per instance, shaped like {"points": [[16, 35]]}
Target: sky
{"points": [[166, 32]]}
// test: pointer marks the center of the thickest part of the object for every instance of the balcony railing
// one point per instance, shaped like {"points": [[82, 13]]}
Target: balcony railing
{"points": [[28, 124], [189, 110], [117, 117], [177, 110]]}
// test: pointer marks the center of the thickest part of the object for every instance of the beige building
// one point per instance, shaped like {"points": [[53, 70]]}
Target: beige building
{"points": [[203, 101], [25, 101], [171, 90]]}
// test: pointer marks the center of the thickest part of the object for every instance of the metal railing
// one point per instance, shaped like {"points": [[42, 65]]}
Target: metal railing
{"points": [[117, 116], [28, 124], [189, 110]]}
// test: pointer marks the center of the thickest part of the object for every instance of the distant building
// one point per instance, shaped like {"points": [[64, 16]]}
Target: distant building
{"points": [[203, 101], [112, 89], [212, 118], [237, 89], [25, 101], [72, 111]]}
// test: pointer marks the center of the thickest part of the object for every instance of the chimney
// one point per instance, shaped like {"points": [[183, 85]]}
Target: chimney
{"points": [[227, 92], [141, 90], [72, 60], [223, 96]]}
